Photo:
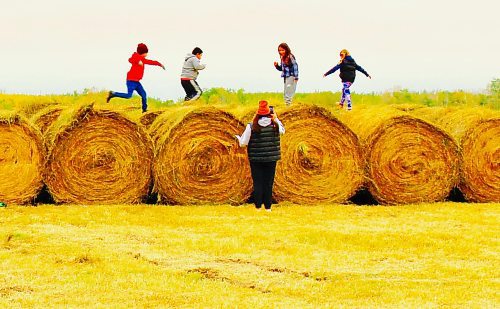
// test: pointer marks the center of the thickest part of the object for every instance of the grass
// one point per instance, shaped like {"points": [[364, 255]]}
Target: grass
{"points": [[426, 255]]}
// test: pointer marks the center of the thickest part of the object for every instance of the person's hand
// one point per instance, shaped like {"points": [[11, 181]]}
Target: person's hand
{"points": [[162, 66], [296, 80], [140, 63], [275, 64], [369, 76], [324, 75]]}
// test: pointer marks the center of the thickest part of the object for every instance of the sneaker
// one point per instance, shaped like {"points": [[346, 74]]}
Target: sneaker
{"points": [[144, 111], [349, 108], [258, 208], [340, 105], [268, 209], [110, 95]]}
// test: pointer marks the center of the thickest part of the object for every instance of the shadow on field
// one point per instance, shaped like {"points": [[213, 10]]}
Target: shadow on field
{"points": [[44, 197], [456, 196], [362, 198]]}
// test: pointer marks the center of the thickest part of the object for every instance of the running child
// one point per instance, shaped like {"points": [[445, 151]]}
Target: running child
{"points": [[138, 60], [190, 71]]}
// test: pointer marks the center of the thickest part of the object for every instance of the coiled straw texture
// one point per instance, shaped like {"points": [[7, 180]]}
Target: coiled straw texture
{"points": [[408, 160], [98, 156], [21, 160], [197, 159], [321, 159]]}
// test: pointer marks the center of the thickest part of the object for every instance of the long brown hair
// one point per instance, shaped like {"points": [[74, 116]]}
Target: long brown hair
{"points": [[288, 53]]}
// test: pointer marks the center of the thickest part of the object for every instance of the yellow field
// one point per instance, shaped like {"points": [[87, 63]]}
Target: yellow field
{"points": [[428, 255]]}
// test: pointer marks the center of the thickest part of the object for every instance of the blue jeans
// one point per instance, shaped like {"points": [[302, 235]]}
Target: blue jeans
{"points": [[131, 86]]}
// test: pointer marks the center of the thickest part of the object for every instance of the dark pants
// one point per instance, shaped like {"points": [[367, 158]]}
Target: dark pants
{"points": [[192, 89], [263, 180], [131, 86]]}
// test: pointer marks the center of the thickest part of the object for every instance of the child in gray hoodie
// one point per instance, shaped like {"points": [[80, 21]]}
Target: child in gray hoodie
{"points": [[189, 74]]}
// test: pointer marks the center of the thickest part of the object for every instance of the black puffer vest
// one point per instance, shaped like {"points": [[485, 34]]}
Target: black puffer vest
{"points": [[264, 146], [348, 70]]}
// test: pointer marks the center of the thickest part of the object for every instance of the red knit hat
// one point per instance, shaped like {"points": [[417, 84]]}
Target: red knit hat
{"points": [[142, 48], [263, 108]]}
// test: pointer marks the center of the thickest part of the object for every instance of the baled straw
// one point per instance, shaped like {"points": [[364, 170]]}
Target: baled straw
{"points": [[408, 160], [148, 118], [98, 156], [481, 162], [22, 157], [197, 159], [478, 132], [46, 117], [320, 158]]}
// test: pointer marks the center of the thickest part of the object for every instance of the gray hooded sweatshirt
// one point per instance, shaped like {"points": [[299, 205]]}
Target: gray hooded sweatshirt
{"points": [[191, 67]]}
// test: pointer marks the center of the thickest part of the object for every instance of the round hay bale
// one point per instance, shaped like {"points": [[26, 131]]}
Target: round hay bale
{"points": [[148, 118], [320, 161], [477, 132], [408, 160], [197, 159], [480, 146], [98, 156], [22, 158], [46, 117]]}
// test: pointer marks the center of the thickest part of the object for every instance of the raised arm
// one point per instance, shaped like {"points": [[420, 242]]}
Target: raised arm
{"points": [[332, 70], [359, 68], [278, 66]]}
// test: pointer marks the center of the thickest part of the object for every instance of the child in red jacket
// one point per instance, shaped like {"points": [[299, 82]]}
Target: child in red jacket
{"points": [[138, 60]]}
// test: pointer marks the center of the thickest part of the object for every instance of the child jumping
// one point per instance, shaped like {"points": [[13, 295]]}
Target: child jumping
{"points": [[189, 74], [289, 71], [348, 68], [138, 60]]}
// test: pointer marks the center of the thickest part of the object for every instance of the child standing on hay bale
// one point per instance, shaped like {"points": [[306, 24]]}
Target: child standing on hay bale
{"points": [[189, 74], [263, 139], [138, 60], [289, 71], [348, 68]]}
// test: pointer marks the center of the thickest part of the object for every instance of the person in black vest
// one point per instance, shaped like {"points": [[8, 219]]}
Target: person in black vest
{"points": [[348, 68], [263, 139]]}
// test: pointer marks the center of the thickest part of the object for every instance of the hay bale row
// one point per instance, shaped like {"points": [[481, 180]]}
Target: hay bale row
{"points": [[22, 156], [100, 156]]}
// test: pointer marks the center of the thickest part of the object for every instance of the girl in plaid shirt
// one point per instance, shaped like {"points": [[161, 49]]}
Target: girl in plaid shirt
{"points": [[289, 71]]}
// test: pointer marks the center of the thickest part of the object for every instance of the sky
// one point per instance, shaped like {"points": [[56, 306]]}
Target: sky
{"points": [[62, 46]]}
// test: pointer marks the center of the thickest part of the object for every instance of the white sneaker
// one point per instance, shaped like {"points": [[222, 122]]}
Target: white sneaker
{"points": [[268, 210]]}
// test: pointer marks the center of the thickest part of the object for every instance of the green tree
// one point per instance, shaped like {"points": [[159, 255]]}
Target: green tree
{"points": [[494, 86]]}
